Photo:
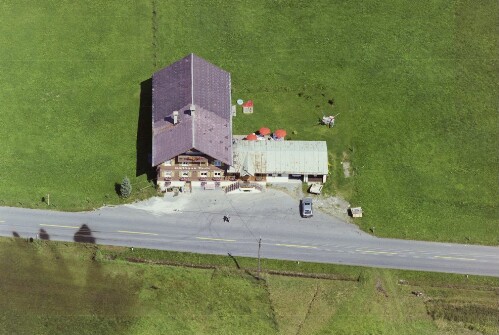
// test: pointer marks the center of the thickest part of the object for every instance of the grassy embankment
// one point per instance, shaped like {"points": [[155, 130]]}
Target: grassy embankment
{"points": [[69, 288], [415, 84]]}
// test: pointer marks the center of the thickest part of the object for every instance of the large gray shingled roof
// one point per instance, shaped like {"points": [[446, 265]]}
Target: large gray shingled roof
{"points": [[191, 81]]}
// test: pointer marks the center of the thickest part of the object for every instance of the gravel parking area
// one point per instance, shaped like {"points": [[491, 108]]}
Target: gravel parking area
{"points": [[276, 204]]}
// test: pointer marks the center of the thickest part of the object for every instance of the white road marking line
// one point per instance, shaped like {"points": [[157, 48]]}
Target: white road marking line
{"points": [[296, 246], [377, 252], [58, 226], [2, 221], [456, 258], [135, 232], [214, 239]]}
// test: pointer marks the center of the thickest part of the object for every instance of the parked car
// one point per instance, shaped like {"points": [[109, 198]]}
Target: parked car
{"points": [[306, 208]]}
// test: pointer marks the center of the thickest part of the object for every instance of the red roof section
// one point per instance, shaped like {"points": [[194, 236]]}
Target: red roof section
{"points": [[264, 131], [251, 137], [280, 133], [248, 103]]}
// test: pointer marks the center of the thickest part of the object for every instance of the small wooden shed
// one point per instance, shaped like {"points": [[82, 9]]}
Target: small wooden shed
{"points": [[248, 107]]}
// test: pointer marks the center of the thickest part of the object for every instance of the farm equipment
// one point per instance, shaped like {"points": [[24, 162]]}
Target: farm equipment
{"points": [[315, 189], [329, 120]]}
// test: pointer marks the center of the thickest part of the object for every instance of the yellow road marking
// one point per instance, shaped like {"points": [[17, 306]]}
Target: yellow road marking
{"points": [[215, 239], [135, 232], [377, 252], [457, 258], [59, 226], [296, 246]]}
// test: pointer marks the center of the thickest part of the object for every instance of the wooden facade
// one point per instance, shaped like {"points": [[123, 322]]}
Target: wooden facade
{"points": [[193, 167]]}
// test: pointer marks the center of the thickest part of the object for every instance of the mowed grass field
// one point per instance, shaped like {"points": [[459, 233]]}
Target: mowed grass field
{"points": [[68, 288], [70, 92], [414, 83]]}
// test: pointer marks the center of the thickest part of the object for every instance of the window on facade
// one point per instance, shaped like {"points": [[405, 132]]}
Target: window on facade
{"points": [[185, 173], [203, 173], [279, 175], [167, 173], [217, 174], [217, 163], [168, 163], [184, 164]]}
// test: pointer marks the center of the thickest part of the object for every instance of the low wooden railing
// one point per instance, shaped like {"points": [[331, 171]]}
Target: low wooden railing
{"points": [[238, 185]]}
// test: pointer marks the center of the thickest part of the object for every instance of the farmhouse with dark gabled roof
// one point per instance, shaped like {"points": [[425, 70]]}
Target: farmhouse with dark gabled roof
{"points": [[192, 121], [192, 139]]}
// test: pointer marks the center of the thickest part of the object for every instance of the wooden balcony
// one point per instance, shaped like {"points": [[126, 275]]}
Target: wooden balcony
{"points": [[228, 178], [224, 178]]}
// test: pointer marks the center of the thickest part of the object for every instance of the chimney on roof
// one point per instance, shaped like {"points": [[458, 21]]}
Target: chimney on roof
{"points": [[175, 117], [192, 108]]}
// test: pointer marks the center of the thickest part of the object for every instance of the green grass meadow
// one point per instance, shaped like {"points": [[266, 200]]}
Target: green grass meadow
{"points": [[71, 75], [69, 288], [415, 83]]}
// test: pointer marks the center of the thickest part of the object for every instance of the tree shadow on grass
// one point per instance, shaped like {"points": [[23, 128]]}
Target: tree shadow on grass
{"points": [[144, 132], [117, 189]]}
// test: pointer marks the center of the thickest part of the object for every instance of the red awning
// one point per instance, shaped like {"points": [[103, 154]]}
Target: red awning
{"points": [[280, 133], [264, 131], [248, 103], [251, 137]]}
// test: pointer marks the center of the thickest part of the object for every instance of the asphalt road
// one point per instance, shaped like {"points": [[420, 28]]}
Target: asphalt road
{"points": [[194, 222]]}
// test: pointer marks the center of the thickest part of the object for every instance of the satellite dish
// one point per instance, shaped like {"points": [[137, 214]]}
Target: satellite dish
{"points": [[240, 102]]}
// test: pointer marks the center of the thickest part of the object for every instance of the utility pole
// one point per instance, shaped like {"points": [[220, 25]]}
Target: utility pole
{"points": [[259, 247]]}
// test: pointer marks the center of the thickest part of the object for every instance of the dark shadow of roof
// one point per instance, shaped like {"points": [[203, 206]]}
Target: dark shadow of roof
{"points": [[144, 132]]}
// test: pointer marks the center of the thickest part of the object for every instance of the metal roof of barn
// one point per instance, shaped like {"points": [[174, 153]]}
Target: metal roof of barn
{"points": [[285, 157], [191, 81]]}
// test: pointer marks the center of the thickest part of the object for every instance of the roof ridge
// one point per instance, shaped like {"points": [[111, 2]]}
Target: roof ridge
{"points": [[192, 78], [193, 117]]}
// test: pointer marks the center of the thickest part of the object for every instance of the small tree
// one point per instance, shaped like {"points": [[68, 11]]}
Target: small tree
{"points": [[125, 188]]}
